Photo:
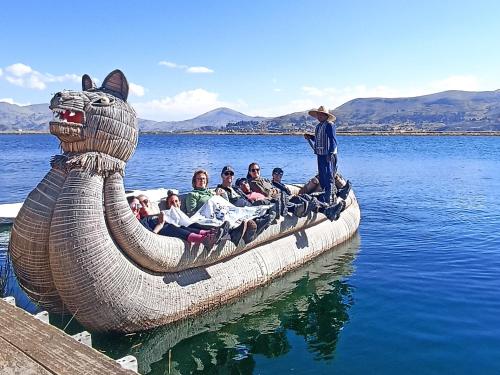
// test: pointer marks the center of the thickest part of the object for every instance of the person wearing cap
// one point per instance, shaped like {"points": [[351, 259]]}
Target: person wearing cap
{"points": [[325, 148], [227, 175], [276, 181]]}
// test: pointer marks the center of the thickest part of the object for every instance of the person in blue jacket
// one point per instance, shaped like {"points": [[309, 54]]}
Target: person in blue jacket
{"points": [[325, 148]]}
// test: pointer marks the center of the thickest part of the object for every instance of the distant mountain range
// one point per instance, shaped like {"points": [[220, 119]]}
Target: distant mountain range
{"points": [[217, 118], [444, 111]]}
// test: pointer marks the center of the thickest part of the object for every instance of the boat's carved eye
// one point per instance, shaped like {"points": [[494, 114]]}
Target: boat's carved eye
{"points": [[103, 101]]}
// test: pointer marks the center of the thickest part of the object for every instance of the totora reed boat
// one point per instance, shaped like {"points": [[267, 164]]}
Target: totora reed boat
{"points": [[76, 247]]}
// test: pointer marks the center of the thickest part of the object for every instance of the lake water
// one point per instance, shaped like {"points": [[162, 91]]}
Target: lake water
{"points": [[416, 291]]}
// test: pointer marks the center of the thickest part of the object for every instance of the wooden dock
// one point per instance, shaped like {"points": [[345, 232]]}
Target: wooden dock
{"points": [[30, 346]]}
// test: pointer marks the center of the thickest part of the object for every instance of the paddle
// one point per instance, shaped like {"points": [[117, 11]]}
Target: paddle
{"points": [[310, 143]]}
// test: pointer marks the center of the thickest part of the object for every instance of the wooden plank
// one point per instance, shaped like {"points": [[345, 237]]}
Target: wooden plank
{"points": [[13, 361], [50, 347]]}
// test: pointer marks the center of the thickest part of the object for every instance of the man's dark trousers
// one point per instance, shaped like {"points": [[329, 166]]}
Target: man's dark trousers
{"points": [[326, 171]]}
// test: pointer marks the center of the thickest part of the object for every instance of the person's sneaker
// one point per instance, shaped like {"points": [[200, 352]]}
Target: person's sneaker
{"points": [[333, 212], [250, 232], [301, 209], [221, 232], [209, 241], [237, 233], [344, 191], [264, 222], [316, 205]]}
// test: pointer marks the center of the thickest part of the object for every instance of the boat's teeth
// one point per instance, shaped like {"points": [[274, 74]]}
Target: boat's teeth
{"points": [[64, 120]]}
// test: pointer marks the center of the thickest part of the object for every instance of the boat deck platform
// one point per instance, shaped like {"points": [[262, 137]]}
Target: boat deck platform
{"points": [[30, 346]]}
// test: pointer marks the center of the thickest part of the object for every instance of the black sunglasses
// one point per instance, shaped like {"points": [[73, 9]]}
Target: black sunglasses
{"points": [[228, 173], [255, 169]]}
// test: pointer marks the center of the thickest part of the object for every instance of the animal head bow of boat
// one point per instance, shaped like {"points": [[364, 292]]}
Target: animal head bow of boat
{"points": [[97, 122]]}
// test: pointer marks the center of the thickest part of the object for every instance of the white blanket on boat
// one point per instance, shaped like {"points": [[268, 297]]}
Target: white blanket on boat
{"points": [[176, 217], [217, 210]]}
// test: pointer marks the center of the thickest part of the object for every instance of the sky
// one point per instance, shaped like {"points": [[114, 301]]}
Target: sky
{"points": [[259, 57]]}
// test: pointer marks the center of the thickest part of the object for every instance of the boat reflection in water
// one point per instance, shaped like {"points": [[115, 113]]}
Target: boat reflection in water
{"points": [[311, 302]]}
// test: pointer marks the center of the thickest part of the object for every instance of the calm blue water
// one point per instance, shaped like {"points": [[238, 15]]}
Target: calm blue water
{"points": [[417, 291]]}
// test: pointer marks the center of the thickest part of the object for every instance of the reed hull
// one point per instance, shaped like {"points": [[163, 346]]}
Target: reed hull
{"points": [[107, 291]]}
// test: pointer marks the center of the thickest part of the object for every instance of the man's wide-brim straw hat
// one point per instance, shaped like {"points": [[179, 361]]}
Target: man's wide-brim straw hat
{"points": [[314, 113]]}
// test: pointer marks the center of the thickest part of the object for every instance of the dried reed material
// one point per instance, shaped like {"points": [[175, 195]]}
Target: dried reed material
{"points": [[166, 254], [29, 242], [108, 291], [94, 162]]}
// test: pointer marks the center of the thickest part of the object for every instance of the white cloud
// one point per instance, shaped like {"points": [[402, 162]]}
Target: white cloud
{"points": [[20, 74], [296, 105], [467, 83], [199, 69], [12, 101], [18, 69], [182, 106], [186, 68], [1, 72], [136, 90], [172, 65], [333, 97]]}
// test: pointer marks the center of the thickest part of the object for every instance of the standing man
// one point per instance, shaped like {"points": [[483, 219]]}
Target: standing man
{"points": [[325, 147]]}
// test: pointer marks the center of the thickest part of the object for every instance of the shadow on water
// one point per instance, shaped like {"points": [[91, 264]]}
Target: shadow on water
{"points": [[311, 303]]}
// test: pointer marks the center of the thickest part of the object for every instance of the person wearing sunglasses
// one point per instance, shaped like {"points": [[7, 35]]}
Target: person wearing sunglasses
{"points": [[260, 184], [276, 181], [227, 176], [263, 186]]}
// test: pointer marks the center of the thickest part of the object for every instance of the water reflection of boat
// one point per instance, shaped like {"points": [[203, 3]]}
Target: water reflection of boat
{"points": [[77, 247], [313, 302]]}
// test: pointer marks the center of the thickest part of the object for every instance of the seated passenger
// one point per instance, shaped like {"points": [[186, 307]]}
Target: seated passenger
{"points": [[276, 181], [209, 208], [313, 186], [260, 184], [200, 193], [175, 215], [233, 196], [142, 209], [252, 196], [332, 211]]}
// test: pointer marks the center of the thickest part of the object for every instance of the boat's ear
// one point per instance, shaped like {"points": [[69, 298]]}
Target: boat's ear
{"points": [[117, 84], [87, 83]]}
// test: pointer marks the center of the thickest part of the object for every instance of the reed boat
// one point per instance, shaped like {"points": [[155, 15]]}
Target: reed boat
{"points": [[77, 248]]}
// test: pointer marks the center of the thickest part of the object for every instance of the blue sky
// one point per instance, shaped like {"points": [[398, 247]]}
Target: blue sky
{"points": [[268, 58]]}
